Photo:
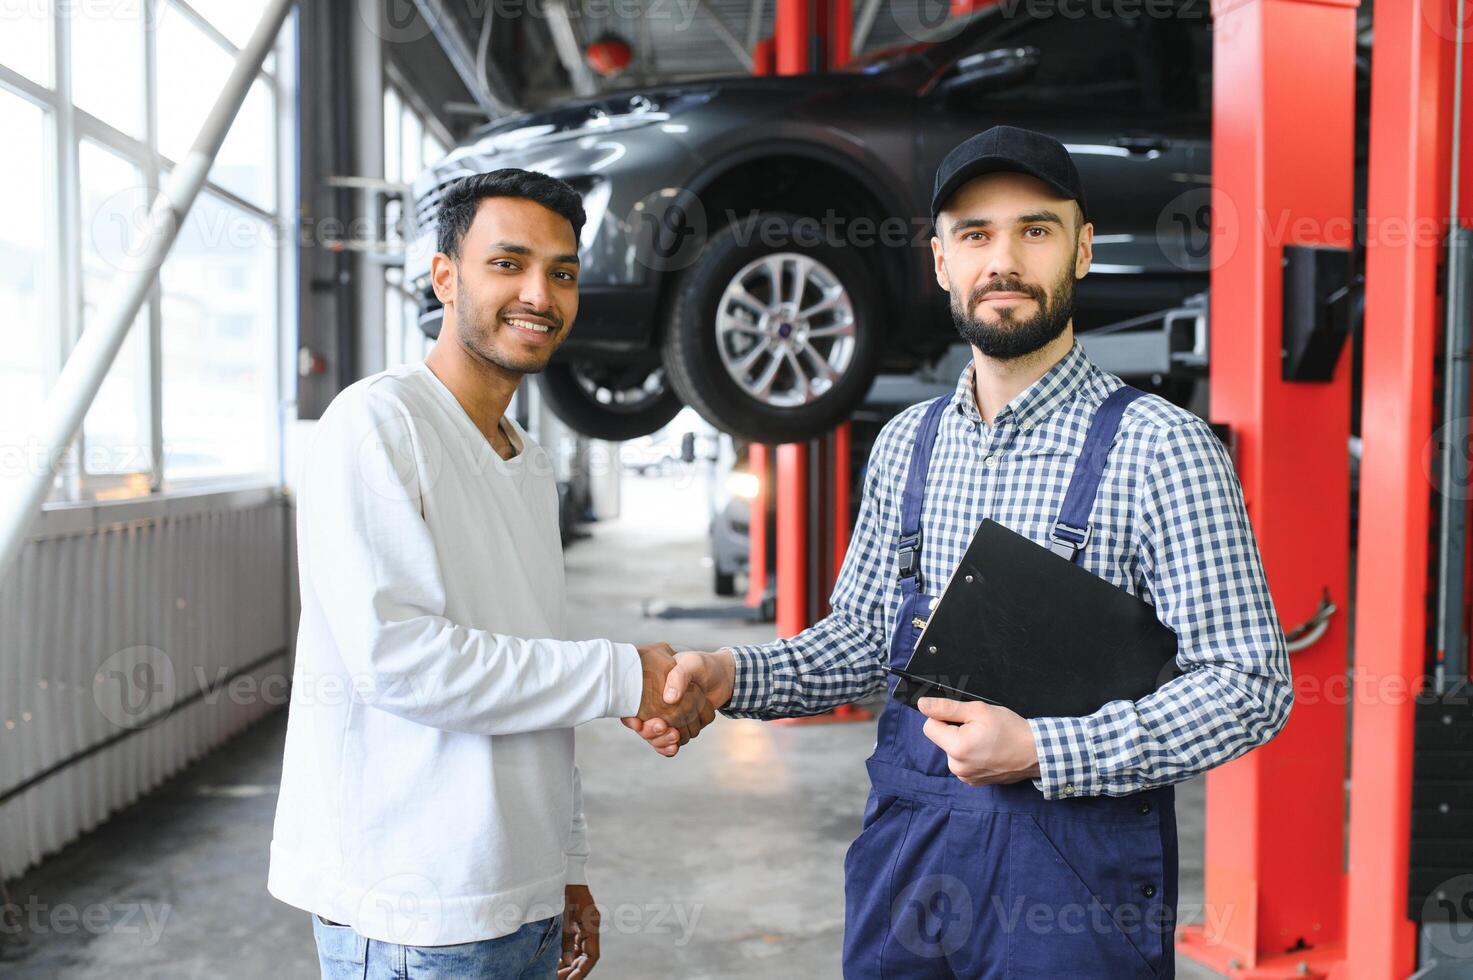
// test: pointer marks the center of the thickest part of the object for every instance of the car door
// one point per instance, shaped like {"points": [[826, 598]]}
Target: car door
{"points": [[1099, 88]]}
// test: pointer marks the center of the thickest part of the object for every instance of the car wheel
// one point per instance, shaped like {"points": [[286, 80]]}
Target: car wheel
{"points": [[609, 401], [724, 583], [772, 334]]}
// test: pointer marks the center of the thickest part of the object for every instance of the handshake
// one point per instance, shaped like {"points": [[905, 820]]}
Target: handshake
{"points": [[681, 694]]}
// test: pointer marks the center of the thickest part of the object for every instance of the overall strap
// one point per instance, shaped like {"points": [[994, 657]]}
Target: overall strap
{"points": [[909, 552], [1071, 529]]}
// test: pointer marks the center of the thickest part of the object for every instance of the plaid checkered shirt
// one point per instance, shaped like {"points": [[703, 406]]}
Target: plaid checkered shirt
{"points": [[1169, 525]]}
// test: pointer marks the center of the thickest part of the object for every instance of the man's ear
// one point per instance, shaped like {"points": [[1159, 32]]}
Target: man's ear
{"points": [[938, 255], [1085, 253], [442, 277]]}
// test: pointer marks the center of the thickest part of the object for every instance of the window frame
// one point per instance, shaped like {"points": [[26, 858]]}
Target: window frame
{"points": [[67, 125]]}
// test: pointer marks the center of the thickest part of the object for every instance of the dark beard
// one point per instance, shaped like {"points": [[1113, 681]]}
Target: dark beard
{"points": [[474, 325], [1012, 338]]}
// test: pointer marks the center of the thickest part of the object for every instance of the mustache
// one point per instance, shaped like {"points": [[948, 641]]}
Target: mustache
{"points": [[978, 292], [551, 316]]}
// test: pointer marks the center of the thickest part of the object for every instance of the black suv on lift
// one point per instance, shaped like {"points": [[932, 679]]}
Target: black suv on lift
{"points": [[758, 248]]}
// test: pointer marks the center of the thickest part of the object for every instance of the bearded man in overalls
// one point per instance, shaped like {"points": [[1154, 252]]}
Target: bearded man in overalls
{"points": [[993, 845]]}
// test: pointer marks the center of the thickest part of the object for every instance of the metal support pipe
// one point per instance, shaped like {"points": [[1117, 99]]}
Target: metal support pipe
{"points": [[1451, 667], [96, 349], [1452, 647], [462, 58], [863, 25]]}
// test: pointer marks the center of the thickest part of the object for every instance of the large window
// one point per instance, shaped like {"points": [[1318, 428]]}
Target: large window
{"points": [[28, 292], [410, 145], [98, 103]]}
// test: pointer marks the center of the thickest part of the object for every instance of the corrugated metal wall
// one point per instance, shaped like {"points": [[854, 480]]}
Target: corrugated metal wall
{"points": [[118, 645]]}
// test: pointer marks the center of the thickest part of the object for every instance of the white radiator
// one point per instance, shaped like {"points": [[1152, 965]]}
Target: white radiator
{"points": [[121, 626]]}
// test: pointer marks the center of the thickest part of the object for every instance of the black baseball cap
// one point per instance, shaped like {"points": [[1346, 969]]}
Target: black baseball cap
{"points": [[1008, 148]]}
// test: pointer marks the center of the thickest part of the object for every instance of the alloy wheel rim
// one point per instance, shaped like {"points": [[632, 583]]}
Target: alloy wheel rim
{"points": [[620, 395], [785, 329]]}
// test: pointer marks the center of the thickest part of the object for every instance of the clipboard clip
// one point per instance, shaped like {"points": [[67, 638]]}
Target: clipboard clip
{"points": [[1064, 544]]}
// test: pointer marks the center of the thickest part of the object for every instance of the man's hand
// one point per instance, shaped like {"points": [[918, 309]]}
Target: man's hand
{"points": [[580, 934], [680, 709], [989, 745], [714, 674]]}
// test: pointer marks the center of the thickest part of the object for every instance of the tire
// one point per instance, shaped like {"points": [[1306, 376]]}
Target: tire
{"points": [[723, 583], [705, 354], [610, 402]]}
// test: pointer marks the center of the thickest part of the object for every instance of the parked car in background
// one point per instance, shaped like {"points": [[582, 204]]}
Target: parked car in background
{"points": [[758, 248]]}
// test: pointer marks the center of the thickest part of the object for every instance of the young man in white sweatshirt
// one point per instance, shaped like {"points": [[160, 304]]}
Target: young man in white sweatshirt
{"points": [[430, 814]]}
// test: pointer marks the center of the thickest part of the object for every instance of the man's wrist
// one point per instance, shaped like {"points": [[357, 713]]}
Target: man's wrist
{"points": [[751, 681], [1066, 766]]}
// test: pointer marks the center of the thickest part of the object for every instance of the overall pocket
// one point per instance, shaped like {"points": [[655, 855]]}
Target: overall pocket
{"points": [[1084, 896]]}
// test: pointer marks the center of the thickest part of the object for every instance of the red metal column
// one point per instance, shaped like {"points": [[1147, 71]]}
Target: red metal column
{"points": [[841, 32], [793, 613], [792, 33], [1407, 205], [841, 442], [1274, 883], [758, 462]]}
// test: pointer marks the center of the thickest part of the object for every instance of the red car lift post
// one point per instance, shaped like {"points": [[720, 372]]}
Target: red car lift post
{"points": [[1408, 193], [812, 479], [1274, 823]]}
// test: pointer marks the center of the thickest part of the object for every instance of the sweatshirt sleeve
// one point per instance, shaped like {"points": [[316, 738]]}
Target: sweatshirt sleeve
{"points": [[372, 566]]}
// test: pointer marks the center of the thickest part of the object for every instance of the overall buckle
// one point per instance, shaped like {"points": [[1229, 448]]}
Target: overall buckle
{"points": [[1064, 544], [909, 555]]}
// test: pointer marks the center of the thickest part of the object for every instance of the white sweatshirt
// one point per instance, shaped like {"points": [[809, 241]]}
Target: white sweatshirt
{"points": [[429, 794]]}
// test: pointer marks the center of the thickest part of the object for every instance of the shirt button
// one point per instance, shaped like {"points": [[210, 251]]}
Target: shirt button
{"points": [[991, 461], [1144, 808], [1068, 789], [1148, 890]]}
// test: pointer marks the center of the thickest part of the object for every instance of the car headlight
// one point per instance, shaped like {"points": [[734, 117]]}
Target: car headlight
{"points": [[744, 485]]}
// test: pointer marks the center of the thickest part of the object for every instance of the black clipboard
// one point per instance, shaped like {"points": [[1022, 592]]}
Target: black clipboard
{"points": [[1020, 626]]}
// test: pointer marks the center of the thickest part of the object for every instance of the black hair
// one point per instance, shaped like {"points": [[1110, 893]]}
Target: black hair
{"points": [[461, 199]]}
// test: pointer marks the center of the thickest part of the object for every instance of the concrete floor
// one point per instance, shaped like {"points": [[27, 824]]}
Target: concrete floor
{"points": [[725, 862]]}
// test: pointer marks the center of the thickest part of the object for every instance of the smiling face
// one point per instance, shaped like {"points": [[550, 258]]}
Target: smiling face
{"points": [[511, 295], [1008, 250]]}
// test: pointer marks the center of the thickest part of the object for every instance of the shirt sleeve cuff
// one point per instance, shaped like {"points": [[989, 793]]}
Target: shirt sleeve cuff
{"points": [[628, 686], [752, 687], [1066, 764], [577, 871]]}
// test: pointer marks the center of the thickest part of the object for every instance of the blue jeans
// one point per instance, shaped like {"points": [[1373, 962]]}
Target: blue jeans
{"points": [[530, 953]]}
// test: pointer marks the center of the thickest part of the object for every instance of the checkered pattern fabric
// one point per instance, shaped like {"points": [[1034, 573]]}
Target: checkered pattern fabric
{"points": [[1169, 525]]}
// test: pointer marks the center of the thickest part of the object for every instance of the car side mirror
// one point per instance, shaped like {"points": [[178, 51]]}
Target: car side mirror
{"points": [[995, 69]]}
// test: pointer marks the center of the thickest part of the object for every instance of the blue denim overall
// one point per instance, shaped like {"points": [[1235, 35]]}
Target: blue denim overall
{"points": [[950, 880]]}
